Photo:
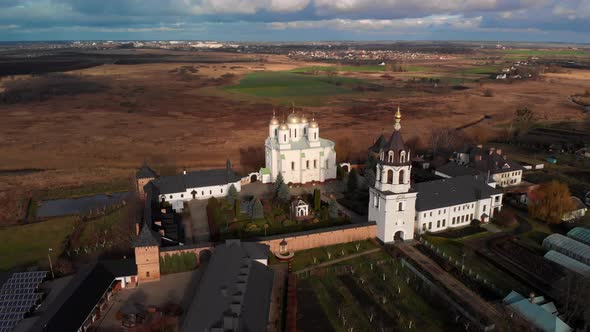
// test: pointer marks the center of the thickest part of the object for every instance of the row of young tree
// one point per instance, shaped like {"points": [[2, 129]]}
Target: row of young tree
{"points": [[180, 262]]}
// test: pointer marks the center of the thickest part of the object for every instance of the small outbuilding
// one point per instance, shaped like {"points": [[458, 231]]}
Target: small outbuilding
{"points": [[299, 208]]}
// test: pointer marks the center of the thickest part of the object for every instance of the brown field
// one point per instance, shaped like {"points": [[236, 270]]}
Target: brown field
{"points": [[152, 112]]}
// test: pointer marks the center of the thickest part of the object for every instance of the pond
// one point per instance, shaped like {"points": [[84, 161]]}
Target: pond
{"points": [[72, 206]]}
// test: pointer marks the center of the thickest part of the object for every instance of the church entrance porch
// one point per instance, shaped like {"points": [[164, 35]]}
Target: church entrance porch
{"points": [[398, 237], [253, 178]]}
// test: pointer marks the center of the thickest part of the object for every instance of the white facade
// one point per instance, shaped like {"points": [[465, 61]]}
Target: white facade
{"points": [[440, 219], [177, 199], [508, 178], [296, 150], [393, 202]]}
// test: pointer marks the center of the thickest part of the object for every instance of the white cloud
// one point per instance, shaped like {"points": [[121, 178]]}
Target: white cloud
{"points": [[8, 27], [449, 21]]}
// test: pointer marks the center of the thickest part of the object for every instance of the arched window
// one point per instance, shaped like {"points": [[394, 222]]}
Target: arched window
{"points": [[285, 137], [315, 135], [292, 165], [402, 157], [401, 177], [304, 131], [295, 133], [276, 132], [400, 206], [390, 176], [390, 157]]}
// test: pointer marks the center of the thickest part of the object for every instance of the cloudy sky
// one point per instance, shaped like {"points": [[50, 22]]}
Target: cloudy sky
{"points": [[296, 20]]}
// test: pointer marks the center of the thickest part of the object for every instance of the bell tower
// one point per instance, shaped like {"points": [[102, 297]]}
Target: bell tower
{"points": [[392, 204], [147, 254]]}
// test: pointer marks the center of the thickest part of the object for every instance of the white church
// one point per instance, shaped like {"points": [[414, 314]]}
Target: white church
{"points": [[401, 209], [294, 148]]}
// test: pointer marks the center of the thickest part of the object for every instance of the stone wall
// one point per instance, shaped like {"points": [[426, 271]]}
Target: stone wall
{"points": [[295, 241], [323, 237]]}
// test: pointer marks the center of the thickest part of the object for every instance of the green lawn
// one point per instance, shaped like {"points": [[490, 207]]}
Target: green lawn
{"points": [[305, 258], [26, 245]]}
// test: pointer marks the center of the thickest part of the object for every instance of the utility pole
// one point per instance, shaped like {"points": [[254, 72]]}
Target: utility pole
{"points": [[50, 265]]}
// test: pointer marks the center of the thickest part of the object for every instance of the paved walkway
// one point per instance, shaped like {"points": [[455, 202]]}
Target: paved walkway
{"points": [[197, 227], [457, 290], [341, 259], [178, 288], [491, 228], [277, 296]]}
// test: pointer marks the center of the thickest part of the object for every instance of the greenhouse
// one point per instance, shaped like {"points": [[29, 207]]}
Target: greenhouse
{"points": [[580, 234], [569, 247], [568, 263]]}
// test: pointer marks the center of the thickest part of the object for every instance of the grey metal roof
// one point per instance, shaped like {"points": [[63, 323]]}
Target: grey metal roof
{"points": [[196, 179], [147, 237], [145, 172], [580, 234], [452, 191], [569, 247], [453, 169], [379, 144], [396, 142], [568, 263], [234, 292]]}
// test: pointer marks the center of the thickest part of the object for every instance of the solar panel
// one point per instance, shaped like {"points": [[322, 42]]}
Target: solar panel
{"points": [[12, 316]]}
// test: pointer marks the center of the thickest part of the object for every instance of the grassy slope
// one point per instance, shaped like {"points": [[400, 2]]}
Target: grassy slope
{"points": [[28, 244], [106, 223]]}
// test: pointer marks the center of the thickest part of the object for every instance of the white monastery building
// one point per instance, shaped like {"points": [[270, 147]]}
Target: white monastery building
{"points": [[180, 188], [296, 150], [401, 209]]}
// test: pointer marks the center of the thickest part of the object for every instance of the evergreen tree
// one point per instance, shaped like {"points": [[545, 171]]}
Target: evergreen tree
{"points": [[353, 181], [283, 193], [333, 209], [317, 199], [279, 181], [232, 195], [257, 209], [370, 176]]}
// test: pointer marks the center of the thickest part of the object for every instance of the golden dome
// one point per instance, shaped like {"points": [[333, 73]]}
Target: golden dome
{"points": [[284, 127], [303, 119], [274, 121], [293, 118], [313, 124]]}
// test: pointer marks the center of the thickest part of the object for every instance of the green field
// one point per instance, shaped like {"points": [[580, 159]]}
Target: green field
{"points": [[28, 244], [541, 53], [298, 88], [481, 70], [358, 69], [285, 84]]}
